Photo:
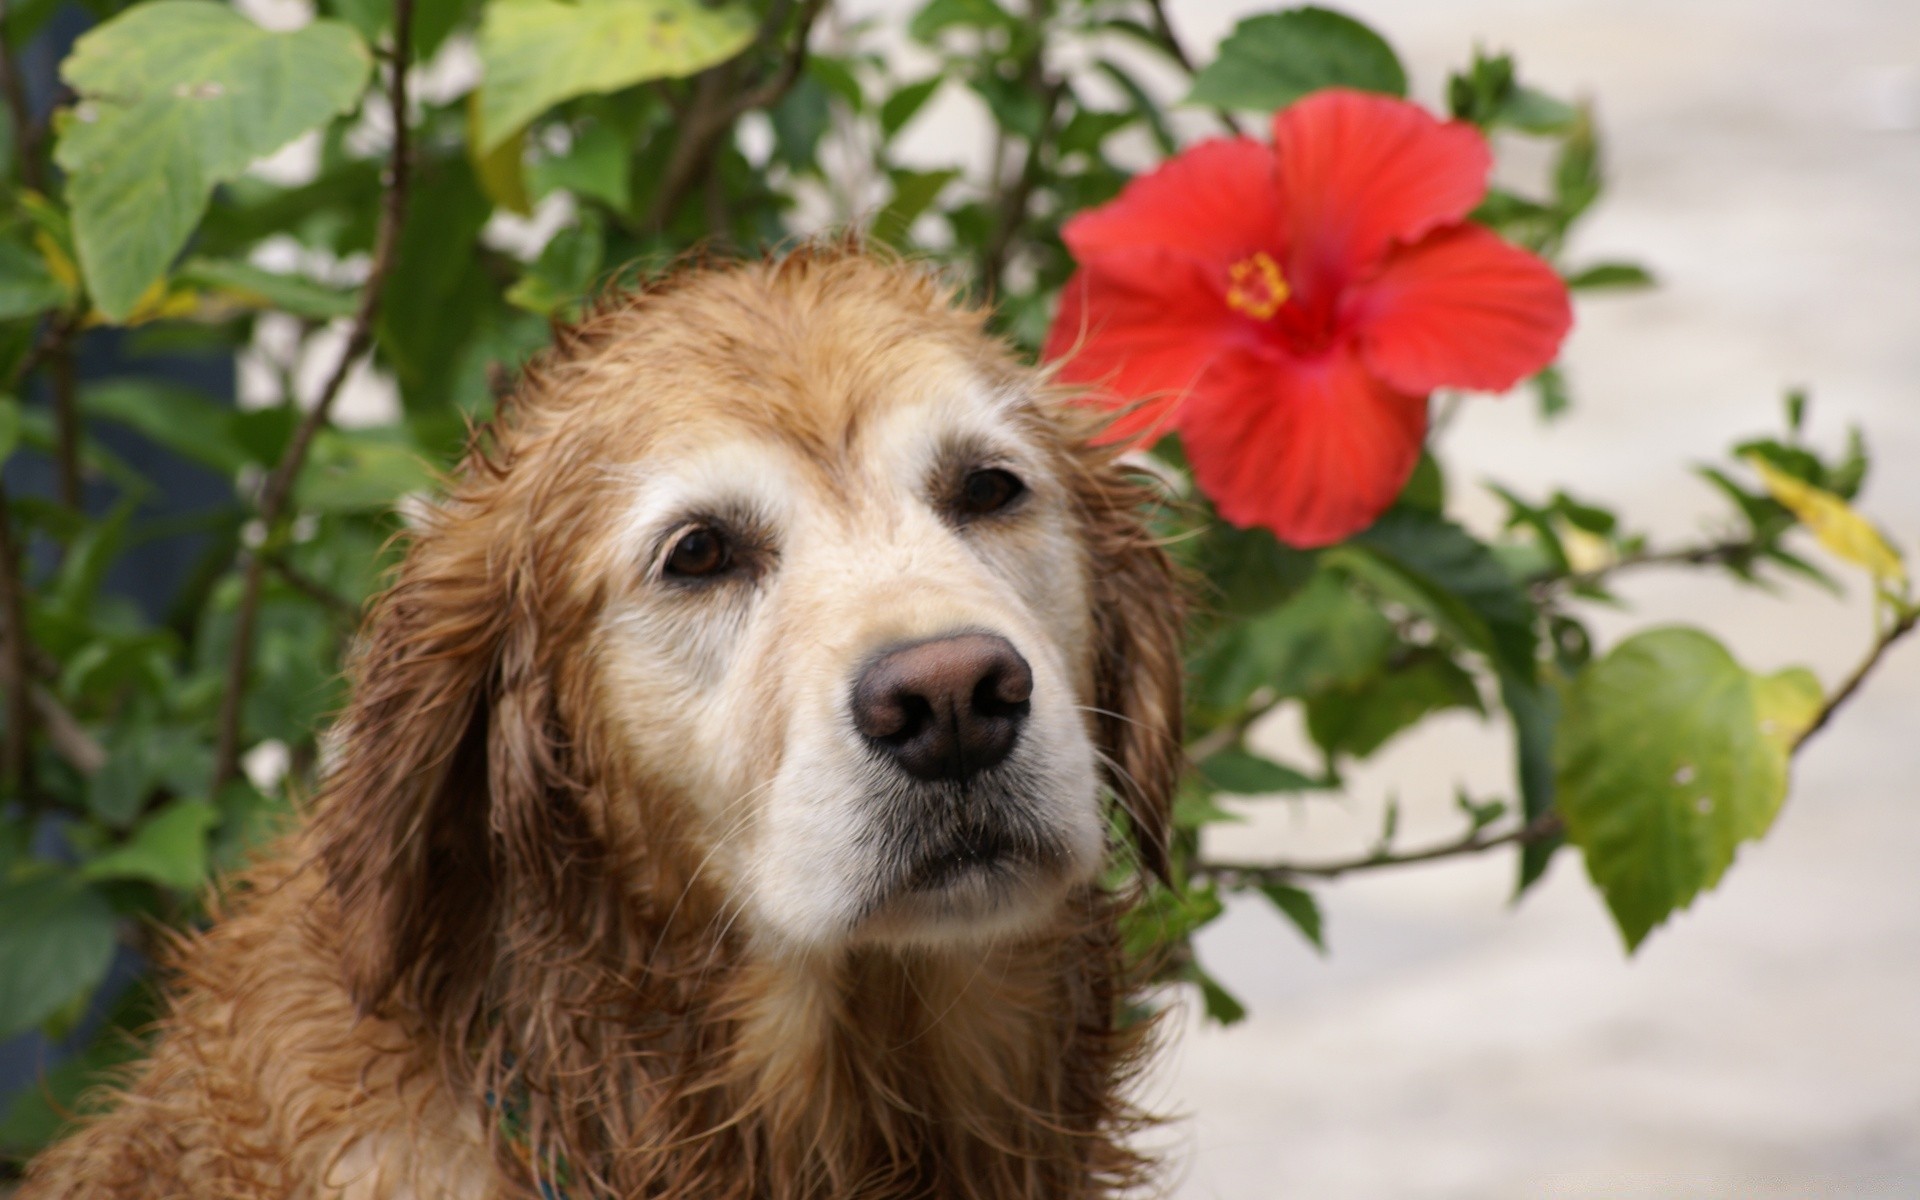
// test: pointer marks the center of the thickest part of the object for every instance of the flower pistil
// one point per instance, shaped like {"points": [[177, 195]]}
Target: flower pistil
{"points": [[1256, 287]]}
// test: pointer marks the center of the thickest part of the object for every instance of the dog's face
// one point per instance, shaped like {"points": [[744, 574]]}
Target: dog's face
{"points": [[795, 560], [855, 637]]}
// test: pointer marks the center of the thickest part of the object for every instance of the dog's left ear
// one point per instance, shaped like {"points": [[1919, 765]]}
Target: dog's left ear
{"points": [[1139, 616]]}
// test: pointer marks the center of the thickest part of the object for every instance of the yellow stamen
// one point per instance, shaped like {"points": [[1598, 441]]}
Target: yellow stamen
{"points": [[1256, 286]]}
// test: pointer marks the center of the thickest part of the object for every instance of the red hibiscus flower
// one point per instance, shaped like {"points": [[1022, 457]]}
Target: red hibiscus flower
{"points": [[1288, 308]]}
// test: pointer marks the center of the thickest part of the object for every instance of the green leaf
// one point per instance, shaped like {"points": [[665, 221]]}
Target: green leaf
{"points": [[178, 418], [362, 470], [176, 97], [536, 53], [9, 426], [565, 271], [1247, 774], [439, 288], [1451, 577], [1324, 636], [902, 106], [1614, 275], [259, 288], [1222, 1005], [1577, 174], [1249, 570], [594, 165], [1299, 907], [800, 120], [1165, 917], [913, 193], [1271, 60], [939, 15], [1357, 719], [168, 848], [1534, 707], [1670, 756], [56, 942], [27, 287]]}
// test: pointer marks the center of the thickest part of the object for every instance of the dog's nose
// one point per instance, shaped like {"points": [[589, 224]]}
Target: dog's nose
{"points": [[947, 708]]}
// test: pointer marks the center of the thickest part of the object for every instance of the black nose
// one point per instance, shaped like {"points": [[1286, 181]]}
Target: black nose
{"points": [[947, 708]]}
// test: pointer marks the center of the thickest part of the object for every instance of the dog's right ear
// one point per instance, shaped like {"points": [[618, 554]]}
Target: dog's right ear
{"points": [[402, 821]]}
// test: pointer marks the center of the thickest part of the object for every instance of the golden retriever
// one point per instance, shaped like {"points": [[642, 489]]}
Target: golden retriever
{"points": [[723, 805]]}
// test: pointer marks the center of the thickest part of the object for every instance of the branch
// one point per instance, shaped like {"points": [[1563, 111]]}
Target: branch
{"points": [[1012, 212], [1724, 551], [66, 407], [1227, 735], [70, 739], [1233, 874], [1893, 633], [278, 489], [1170, 41], [717, 104], [342, 608], [1542, 828], [16, 756]]}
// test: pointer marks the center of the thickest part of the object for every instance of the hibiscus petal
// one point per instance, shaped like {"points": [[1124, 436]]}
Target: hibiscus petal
{"points": [[1359, 171], [1460, 308], [1214, 203], [1138, 344], [1314, 450]]}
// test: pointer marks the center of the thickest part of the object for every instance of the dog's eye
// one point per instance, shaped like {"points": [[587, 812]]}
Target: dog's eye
{"points": [[699, 552], [988, 491]]}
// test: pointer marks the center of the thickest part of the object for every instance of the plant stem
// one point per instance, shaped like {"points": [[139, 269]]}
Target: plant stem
{"points": [[66, 409], [717, 103], [278, 489], [1845, 692], [1229, 733], [1012, 210], [1235, 874], [1170, 41], [1726, 550], [16, 756], [1541, 828]]}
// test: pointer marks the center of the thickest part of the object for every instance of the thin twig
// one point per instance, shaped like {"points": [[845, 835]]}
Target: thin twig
{"points": [[1724, 551], [278, 489], [717, 103], [1011, 212], [1893, 633], [16, 756], [1541, 828], [1170, 41], [66, 408], [336, 604], [1236, 874], [69, 738], [1228, 734]]}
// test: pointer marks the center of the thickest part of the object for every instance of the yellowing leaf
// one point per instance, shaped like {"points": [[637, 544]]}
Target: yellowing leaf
{"points": [[1840, 529], [158, 303], [1787, 704], [537, 53], [1669, 756], [176, 97], [500, 170], [59, 264]]}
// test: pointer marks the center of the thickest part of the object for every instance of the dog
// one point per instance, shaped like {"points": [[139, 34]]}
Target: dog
{"points": [[734, 799]]}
